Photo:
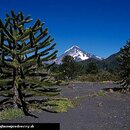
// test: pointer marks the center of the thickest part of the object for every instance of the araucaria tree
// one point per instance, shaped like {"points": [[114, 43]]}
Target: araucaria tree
{"points": [[68, 67], [24, 50], [124, 62]]}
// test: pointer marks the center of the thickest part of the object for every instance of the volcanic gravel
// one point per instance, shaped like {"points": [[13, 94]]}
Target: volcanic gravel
{"points": [[94, 112]]}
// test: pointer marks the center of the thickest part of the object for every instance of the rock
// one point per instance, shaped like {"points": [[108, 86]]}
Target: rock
{"points": [[100, 104], [111, 90]]}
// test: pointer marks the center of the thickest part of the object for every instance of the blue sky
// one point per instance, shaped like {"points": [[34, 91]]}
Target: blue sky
{"points": [[100, 27]]}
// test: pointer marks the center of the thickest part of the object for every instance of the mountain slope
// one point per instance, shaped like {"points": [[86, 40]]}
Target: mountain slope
{"points": [[109, 63], [77, 54]]}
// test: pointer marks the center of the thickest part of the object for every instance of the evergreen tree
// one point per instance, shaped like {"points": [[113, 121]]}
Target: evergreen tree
{"points": [[92, 68], [24, 52], [124, 63], [68, 67]]}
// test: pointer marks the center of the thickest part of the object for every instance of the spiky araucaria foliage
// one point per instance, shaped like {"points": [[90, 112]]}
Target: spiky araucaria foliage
{"points": [[124, 62], [23, 52]]}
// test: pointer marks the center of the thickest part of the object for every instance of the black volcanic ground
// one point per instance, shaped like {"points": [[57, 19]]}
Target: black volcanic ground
{"points": [[93, 112]]}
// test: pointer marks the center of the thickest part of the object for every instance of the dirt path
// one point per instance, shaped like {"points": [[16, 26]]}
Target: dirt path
{"points": [[97, 112]]}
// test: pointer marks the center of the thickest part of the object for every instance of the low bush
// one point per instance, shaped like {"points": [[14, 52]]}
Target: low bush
{"points": [[58, 105], [99, 77], [10, 113]]}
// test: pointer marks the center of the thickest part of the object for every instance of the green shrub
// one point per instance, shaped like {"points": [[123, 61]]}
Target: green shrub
{"points": [[9, 114], [88, 78], [58, 105], [99, 77], [102, 94]]}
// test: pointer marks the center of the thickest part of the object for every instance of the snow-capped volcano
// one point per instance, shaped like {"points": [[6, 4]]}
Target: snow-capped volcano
{"points": [[77, 54]]}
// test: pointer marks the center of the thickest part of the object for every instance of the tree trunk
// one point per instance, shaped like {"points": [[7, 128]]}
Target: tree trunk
{"points": [[16, 95]]}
